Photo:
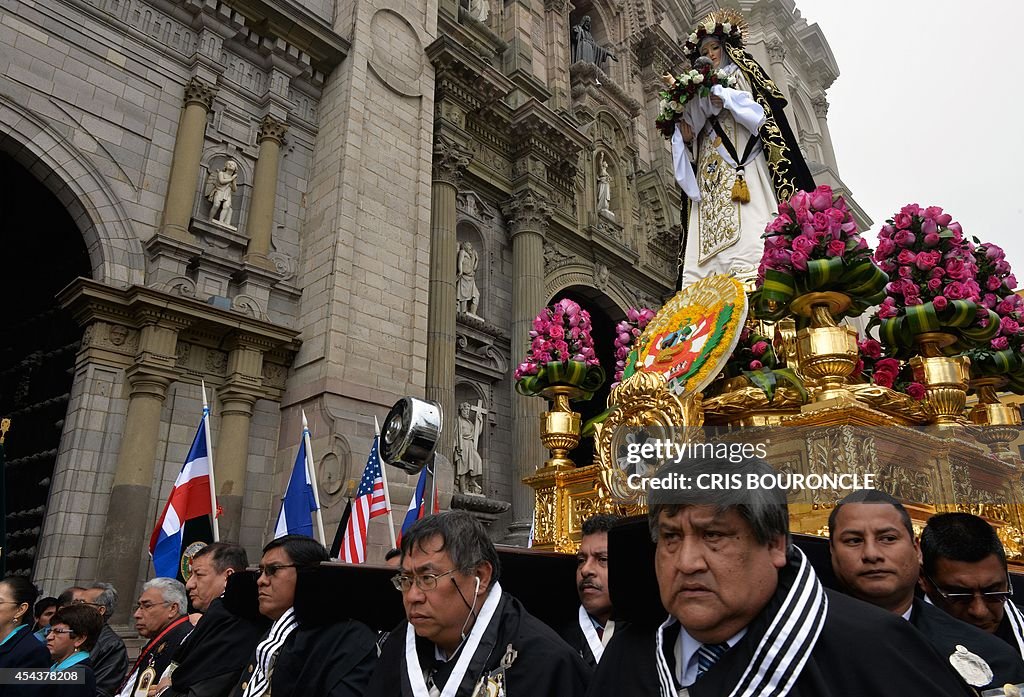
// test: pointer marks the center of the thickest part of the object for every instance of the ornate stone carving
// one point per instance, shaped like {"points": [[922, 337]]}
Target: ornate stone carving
{"points": [[449, 161], [220, 187], [601, 276], [559, 6], [469, 465], [820, 104], [272, 129], [181, 285], [247, 305], [467, 293], [526, 211], [776, 50], [555, 258], [199, 92]]}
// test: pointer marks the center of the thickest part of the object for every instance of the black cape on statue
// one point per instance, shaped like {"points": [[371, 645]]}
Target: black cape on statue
{"points": [[214, 655], [544, 667], [945, 632]]}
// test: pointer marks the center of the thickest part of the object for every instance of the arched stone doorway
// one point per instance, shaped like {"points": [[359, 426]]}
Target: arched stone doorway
{"points": [[44, 251], [604, 315]]}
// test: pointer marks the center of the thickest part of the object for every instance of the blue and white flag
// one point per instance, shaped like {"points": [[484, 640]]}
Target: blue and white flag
{"points": [[298, 503]]}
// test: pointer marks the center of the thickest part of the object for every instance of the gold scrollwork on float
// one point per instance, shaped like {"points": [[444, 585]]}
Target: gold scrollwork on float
{"points": [[643, 402]]}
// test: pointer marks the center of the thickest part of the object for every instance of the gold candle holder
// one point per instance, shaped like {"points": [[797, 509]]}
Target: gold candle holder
{"points": [[945, 379], [997, 424], [827, 352], [560, 426]]}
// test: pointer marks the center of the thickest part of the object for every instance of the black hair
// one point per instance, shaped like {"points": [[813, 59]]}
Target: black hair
{"points": [[870, 496], [599, 523], [223, 556], [392, 553], [82, 620], [67, 595], [23, 592], [958, 537], [764, 508], [305, 552], [462, 536]]}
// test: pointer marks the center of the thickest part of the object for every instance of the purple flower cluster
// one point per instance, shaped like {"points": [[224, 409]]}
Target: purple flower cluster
{"points": [[626, 333], [809, 226], [997, 286], [927, 259], [560, 333]]}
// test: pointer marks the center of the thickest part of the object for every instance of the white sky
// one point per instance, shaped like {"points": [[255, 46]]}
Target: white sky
{"points": [[927, 109]]}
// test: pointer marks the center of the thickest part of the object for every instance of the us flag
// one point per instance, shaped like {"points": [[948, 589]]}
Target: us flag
{"points": [[369, 503]]}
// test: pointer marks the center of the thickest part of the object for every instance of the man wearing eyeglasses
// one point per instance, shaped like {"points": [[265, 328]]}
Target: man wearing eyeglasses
{"points": [[876, 559], [160, 617], [109, 656], [463, 635], [211, 658], [965, 574]]}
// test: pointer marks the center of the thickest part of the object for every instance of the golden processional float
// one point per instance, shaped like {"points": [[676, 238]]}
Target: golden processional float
{"points": [[776, 365]]}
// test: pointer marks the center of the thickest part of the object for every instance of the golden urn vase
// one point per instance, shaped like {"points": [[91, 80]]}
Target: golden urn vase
{"points": [[945, 379], [826, 351], [560, 426], [997, 424]]}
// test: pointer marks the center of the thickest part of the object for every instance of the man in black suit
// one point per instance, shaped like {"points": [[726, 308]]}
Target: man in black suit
{"points": [[877, 560], [109, 657], [594, 627]]}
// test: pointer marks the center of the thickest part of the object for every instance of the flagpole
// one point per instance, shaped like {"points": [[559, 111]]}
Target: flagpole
{"points": [[311, 471], [209, 461], [387, 493]]}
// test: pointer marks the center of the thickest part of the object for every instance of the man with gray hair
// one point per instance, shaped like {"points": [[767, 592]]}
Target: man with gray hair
{"points": [[746, 611], [464, 634], [160, 616], [109, 657]]}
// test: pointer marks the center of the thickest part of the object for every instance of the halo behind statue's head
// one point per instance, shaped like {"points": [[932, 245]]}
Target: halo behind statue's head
{"points": [[728, 26], [693, 335]]}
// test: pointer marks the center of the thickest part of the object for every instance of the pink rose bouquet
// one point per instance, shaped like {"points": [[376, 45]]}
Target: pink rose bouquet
{"points": [[561, 352], [626, 333], [813, 245], [1004, 353], [885, 371], [933, 281]]}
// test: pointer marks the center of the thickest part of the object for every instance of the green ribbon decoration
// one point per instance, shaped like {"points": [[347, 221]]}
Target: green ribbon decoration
{"points": [[860, 279], [587, 378], [960, 315], [1008, 363]]}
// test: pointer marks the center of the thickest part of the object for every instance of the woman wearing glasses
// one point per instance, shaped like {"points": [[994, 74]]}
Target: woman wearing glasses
{"points": [[18, 648], [304, 654], [73, 633]]}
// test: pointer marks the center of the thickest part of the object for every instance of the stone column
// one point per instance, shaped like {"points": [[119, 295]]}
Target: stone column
{"points": [[777, 69], [556, 37], [820, 104], [128, 523], [237, 398], [188, 152], [449, 161], [527, 216], [260, 223]]}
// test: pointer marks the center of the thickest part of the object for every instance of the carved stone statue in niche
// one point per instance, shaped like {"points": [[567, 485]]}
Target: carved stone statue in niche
{"points": [[478, 9], [585, 48], [220, 186], [469, 466], [467, 294], [604, 188]]}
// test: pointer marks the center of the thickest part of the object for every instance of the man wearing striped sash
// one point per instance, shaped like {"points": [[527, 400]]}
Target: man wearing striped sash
{"points": [[747, 614]]}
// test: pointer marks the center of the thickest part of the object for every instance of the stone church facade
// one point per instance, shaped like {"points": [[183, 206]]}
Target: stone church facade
{"points": [[368, 141]]}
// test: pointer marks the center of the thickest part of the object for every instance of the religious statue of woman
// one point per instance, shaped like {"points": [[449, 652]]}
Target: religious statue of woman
{"points": [[219, 188], [734, 156], [604, 188], [469, 466], [467, 294], [585, 48]]}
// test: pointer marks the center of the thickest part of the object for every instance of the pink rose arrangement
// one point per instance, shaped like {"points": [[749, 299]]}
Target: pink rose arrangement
{"points": [[626, 333], [885, 371], [1004, 354], [561, 352], [813, 245], [933, 280]]}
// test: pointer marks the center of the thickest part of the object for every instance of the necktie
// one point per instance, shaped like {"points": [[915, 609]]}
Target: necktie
{"points": [[708, 655]]}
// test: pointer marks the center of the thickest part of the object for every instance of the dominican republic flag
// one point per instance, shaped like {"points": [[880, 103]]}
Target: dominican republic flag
{"points": [[369, 503], [186, 517], [418, 504], [298, 503]]}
